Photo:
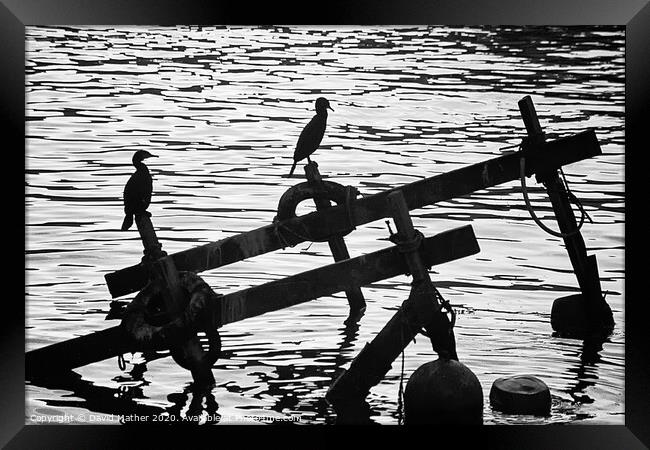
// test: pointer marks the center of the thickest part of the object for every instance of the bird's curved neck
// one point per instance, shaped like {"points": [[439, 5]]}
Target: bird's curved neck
{"points": [[139, 165], [321, 112]]}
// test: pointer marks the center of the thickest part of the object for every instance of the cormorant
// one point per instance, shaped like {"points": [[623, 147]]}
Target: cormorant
{"points": [[137, 192], [312, 134]]}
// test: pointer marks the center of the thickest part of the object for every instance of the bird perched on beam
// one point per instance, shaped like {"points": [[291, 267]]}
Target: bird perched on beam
{"points": [[312, 134], [137, 192]]}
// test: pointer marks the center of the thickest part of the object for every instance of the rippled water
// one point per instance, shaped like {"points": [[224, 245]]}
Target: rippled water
{"points": [[223, 108]]}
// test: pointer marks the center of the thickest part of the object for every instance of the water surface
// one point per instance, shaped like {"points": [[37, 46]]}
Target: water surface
{"points": [[223, 108]]}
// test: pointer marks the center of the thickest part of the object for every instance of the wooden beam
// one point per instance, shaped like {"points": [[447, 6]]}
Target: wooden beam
{"points": [[334, 220], [447, 246], [78, 351], [360, 271]]}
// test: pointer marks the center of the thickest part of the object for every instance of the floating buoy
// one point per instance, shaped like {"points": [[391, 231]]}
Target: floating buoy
{"points": [[521, 394], [443, 392], [570, 317]]}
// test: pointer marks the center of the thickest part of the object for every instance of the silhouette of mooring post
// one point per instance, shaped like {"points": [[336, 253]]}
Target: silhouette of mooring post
{"points": [[420, 310], [585, 267], [163, 271], [336, 243]]}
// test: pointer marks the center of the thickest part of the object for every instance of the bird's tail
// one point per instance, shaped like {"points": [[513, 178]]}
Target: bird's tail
{"points": [[128, 221], [293, 168]]}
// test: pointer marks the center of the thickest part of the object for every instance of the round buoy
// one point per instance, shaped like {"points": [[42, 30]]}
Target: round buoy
{"points": [[521, 394], [443, 392]]}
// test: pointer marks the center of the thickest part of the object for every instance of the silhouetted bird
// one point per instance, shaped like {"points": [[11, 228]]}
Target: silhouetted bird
{"points": [[312, 134], [137, 192]]}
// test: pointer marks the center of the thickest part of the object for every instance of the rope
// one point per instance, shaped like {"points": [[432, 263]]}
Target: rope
{"points": [[406, 245], [400, 391], [522, 175], [400, 395], [573, 198], [276, 231]]}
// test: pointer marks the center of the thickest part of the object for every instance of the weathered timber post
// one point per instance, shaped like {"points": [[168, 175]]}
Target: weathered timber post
{"points": [[336, 243], [420, 310], [152, 247], [589, 311], [438, 326], [162, 269]]}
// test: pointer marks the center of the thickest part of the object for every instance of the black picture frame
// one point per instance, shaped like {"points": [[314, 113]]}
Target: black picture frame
{"points": [[633, 14]]}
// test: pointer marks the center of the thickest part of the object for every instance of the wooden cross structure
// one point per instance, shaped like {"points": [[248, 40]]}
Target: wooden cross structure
{"points": [[592, 308], [413, 254]]}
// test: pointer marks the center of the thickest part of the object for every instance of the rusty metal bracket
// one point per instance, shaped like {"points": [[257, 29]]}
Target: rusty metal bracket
{"points": [[326, 190]]}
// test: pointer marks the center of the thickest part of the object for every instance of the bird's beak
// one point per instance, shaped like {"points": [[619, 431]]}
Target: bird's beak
{"points": [[152, 156], [330, 108]]}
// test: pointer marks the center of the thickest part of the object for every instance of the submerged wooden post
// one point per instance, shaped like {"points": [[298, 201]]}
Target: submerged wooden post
{"points": [[420, 310], [595, 308], [336, 243]]}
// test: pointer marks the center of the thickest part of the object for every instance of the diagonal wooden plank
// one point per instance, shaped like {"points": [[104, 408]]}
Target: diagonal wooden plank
{"points": [[362, 270], [335, 220]]}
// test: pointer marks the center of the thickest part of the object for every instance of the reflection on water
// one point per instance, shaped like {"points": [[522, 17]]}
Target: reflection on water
{"points": [[223, 107], [585, 375]]}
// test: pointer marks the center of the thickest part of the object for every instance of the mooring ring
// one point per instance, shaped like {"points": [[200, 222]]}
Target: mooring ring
{"points": [[327, 190], [302, 191]]}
